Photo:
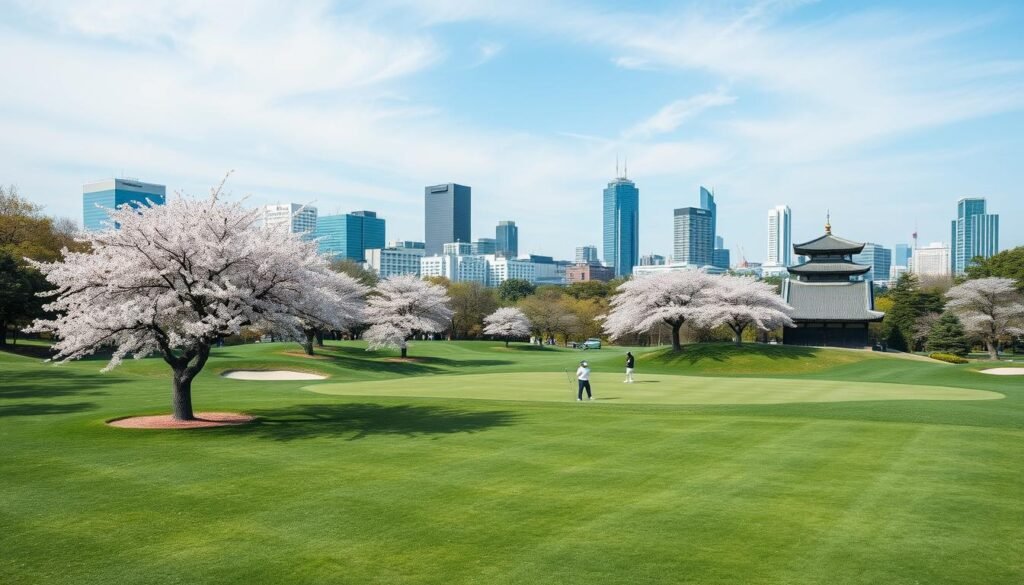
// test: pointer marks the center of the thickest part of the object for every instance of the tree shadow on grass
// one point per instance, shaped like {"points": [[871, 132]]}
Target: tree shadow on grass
{"points": [[696, 353], [354, 358], [52, 382], [29, 350], [42, 408], [358, 421]]}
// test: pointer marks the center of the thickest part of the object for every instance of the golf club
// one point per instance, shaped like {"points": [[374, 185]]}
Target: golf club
{"points": [[572, 385]]}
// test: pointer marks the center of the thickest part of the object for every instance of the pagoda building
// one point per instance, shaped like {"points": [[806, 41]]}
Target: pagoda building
{"points": [[832, 305]]}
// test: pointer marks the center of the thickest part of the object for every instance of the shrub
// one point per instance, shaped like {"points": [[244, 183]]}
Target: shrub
{"points": [[948, 358], [947, 336]]}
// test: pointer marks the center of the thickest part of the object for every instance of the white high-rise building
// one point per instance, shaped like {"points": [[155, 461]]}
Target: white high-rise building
{"points": [[502, 269], [456, 268], [931, 261], [300, 218], [394, 261], [780, 240]]}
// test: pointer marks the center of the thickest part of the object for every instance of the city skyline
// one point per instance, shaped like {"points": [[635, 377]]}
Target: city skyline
{"points": [[927, 108]]}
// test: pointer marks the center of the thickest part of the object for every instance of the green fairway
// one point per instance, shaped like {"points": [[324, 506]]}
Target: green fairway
{"points": [[762, 465], [650, 389]]}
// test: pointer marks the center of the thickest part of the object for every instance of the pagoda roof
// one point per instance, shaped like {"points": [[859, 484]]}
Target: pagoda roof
{"points": [[831, 301], [843, 267], [828, 244]]}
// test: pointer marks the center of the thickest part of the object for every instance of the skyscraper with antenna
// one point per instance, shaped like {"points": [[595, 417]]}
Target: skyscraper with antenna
{"points": [[621, 225]]}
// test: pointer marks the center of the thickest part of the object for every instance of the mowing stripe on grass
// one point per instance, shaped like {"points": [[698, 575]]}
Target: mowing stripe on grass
{"points": [[650, 389]]}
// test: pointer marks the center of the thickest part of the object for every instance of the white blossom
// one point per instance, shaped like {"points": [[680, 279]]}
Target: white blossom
{"points": [[669, 297], [507, 323], [401, 306], [175, 278], [990, 309], [738, 302]]}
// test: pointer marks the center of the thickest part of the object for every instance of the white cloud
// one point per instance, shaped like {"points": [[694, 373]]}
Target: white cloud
{"points": [[670, 117], [487, 51], [308, 102]]}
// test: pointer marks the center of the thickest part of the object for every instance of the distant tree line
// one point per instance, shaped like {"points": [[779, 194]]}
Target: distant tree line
{"points": [[983, 308], [27, 233]]}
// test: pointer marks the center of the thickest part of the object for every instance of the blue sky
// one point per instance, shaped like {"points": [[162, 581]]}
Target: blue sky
{"points": [[884, 113]]}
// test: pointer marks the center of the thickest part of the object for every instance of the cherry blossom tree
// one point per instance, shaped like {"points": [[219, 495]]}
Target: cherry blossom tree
{"points": [[506, 323], [991, 309], [738, 302], [173, 279], [347, 297], [669, 297], [401, 306]]}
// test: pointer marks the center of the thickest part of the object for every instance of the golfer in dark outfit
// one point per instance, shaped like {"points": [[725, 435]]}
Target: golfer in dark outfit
{"points": [[630, 362], [583, 379]]}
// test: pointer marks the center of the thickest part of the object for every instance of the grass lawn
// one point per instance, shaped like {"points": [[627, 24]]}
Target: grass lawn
{"points": [[763, 464]]}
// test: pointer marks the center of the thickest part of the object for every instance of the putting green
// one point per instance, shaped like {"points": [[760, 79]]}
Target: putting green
{"points": [[648, 389]]}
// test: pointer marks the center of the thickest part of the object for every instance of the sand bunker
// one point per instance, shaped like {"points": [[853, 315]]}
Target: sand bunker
{"points": [[165, 421], [271, 375], [1004, 371]]}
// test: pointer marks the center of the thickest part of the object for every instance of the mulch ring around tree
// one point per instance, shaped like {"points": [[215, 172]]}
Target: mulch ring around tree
{"points": [[203, 420]]}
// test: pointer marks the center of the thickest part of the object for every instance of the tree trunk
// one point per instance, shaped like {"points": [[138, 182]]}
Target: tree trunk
{"points": [[319, 338], [405, 352], [181, 397], [3, 333], [307, 344], [737, 335], [992, 353], [185, 368], [676, 345]]}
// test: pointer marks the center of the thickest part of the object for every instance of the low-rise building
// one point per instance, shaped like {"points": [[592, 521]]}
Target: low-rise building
{"points": [[588, 272]]}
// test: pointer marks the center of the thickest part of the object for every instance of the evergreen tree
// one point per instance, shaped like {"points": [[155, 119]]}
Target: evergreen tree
{"points": [[1006, 264], [909, 303], [947, 336], [515, 289]]}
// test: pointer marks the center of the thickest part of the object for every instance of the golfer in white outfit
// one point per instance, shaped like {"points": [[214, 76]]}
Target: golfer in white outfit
{"points": [[583, 380]]}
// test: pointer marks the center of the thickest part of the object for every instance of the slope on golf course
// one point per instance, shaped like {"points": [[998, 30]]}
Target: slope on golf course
{"points": [[474, 464]]}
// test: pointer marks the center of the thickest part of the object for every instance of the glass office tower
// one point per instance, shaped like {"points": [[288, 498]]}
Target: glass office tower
{"points": [[506, 236], [349, 236], [447, 216], [622, 226], [101, 196], [878, 257], [973, 233], [901, 255]]}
